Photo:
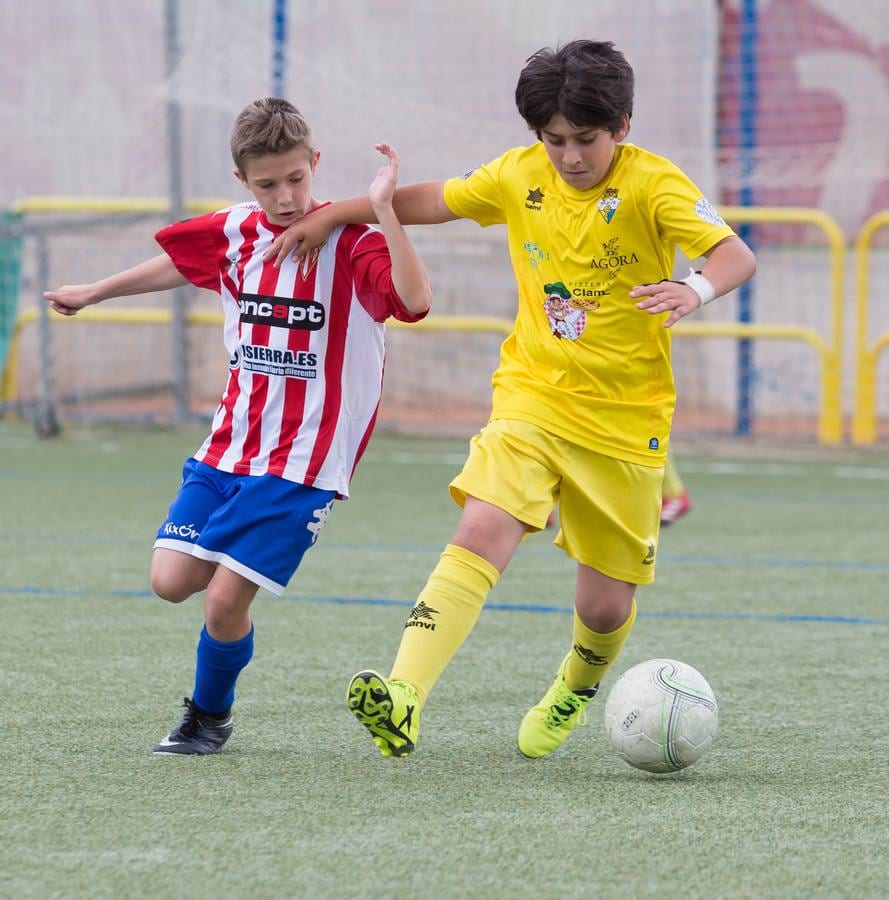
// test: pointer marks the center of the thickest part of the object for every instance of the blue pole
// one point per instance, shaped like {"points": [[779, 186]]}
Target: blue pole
{"points": [[747, 51], [279, 48]]}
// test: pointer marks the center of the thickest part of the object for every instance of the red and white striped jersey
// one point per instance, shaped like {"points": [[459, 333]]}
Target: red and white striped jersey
{"points": [[306, 344]]}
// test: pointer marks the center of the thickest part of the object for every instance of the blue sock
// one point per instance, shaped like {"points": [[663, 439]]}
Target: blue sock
{"points": [[217, 670]]}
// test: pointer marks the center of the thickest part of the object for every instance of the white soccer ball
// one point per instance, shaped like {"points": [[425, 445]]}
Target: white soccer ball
{"points": [[661, 715]]}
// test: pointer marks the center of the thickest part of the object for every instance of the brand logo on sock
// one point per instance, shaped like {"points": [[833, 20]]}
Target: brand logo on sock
{"points": [[418, 616], [590, 658]]}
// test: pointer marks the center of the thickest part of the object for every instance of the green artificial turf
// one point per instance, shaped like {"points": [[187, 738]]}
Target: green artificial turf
{"points": [[774, 587]]}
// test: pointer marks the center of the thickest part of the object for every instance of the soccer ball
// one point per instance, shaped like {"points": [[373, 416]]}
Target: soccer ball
{"points": [[661, 715]]}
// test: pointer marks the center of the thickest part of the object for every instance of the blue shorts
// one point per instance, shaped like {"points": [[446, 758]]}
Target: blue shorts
{"points": [[256, 525]]}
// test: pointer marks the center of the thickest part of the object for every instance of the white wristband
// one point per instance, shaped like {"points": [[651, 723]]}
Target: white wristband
{"points": [[701, 286]]}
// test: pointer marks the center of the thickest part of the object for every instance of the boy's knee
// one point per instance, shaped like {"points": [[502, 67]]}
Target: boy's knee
{"points": [[604, 613], [221, 610], [175, 577], [170, 589]]}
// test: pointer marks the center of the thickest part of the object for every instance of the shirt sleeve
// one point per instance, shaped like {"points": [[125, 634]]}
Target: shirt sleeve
{"points": [[197, 248], [684, 215], [477, 195], [372, 277]]}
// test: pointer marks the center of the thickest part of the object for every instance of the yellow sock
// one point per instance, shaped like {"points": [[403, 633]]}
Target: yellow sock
{"points": [[673, 486], [594, 653], [442, 617]]}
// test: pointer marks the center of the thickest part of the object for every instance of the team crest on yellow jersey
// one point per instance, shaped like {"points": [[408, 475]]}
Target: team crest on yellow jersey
{"points": [[608, 204]]}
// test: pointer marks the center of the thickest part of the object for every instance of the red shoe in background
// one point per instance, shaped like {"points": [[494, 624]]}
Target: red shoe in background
{"points": [[674, 508]]}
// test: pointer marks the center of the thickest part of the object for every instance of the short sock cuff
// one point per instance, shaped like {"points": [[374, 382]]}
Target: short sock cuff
{"points": [[211, 641], [625, 627], [478, 563]]}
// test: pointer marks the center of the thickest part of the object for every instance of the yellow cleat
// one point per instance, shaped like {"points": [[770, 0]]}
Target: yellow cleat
{"points": [[389, 710], [547, 726]]}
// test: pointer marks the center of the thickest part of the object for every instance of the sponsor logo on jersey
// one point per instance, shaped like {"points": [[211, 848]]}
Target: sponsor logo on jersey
{"points": [[534, 200], [612, 261], [281, 312], [608, 204], [275, 361], [536, 253], [566, 319], [585, 297], [612, 258]]}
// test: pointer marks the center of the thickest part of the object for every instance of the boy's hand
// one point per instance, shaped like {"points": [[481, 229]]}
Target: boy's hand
{"points": [[69, 299], [300, 239], [383, 187], [674, 297]]}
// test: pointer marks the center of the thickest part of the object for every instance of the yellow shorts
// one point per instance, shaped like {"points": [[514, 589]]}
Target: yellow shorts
{"points": [[609, 509]]}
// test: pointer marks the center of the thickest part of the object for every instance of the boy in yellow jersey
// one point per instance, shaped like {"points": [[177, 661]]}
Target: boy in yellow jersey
{"points": [[583, 396]]}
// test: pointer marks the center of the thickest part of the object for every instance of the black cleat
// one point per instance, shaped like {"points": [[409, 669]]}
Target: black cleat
{"points": [[197, 733]]}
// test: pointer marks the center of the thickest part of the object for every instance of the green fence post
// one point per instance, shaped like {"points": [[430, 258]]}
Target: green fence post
{"points": [[10, 270]]}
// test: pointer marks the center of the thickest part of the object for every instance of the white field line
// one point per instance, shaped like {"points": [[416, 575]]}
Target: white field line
{"points": [[399, 457], [774, 469], [784, 470]]}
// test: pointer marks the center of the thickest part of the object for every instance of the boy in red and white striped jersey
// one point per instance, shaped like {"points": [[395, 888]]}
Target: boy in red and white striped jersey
{"points": [[306, 346]]}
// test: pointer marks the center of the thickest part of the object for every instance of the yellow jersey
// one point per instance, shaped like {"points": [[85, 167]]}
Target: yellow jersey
{"points": [[582, 361]]}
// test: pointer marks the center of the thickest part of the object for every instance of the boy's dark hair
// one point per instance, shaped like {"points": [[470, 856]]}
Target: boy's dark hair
{"points": [[270, 125], [589, 82]]}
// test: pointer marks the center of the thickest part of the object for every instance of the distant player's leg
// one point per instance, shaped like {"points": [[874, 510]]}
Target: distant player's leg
{"points": [[676, 500], [609, 524], [552, 519]]}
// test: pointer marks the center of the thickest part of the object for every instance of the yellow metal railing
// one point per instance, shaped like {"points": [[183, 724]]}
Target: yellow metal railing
{"points": [[112, 205], [864, 414], [9, 387], [829, 349]]}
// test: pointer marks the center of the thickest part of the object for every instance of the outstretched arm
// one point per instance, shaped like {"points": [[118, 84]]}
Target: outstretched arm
{"points": [[729, 264], [409, 275], [157, 274], [414, 204]]}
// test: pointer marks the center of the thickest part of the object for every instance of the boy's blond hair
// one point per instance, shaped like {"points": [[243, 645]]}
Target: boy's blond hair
{"points": [[269, 125]]}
